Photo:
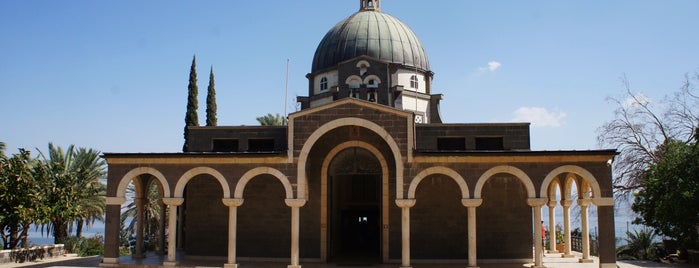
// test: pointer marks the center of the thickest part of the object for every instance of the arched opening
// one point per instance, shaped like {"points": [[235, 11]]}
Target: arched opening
{"points": [[264, 219], [354, 202], [504, 218], [205, 225], [142, 219], [438, 221]]}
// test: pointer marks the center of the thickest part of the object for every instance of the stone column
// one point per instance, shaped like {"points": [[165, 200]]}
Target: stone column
{"points": [[111, 230], [552, 226], [295, 204], [536, 204], [472, 204], [405, 205], [605, 222], [140, 211], [232, 204], [172, 204], [584, 203], [161, 228], [566, 228]]}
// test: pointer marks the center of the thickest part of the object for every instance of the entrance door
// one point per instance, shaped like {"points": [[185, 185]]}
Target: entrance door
{"points": [[355, 234]]}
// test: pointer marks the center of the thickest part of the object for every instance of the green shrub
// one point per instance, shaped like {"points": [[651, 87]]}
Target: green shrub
{"points": [[85, 246]]}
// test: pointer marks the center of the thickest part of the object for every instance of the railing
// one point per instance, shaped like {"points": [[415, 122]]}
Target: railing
{"points": [[576, 244]]}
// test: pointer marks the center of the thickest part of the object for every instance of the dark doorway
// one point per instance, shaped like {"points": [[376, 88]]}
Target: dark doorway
{"points": [[355, 233]]}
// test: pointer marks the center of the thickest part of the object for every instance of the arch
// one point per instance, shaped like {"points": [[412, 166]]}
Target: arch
{"points": [[555, 184], [585, 174], [363, 64], [302, 180], [187, 176], [372, 77], [439, 170], [324, 191], [523, 177], [353, 78], [124, 182], [240, 187]]}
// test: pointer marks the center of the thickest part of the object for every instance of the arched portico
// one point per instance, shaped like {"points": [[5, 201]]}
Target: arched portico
{"points": [[324, 194], [124, 181], [518, 173], [438, 170], [302, 178], [190, 174]]}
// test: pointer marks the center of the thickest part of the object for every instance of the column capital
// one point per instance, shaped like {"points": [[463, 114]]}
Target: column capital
{"points": [[552, 203], [405, 203], [173, 201], [603, 201], [295, 203], [467, 202], [115, 200], [232, 202], [537, 202], [584, 202], [566, 203]]}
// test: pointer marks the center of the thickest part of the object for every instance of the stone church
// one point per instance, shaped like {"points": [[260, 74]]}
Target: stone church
{"points": [[366, 172]]}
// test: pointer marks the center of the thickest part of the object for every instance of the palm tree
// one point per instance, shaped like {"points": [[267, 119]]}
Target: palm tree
{"points": [[272, 120], [640, 243], [89, 168], [2, 149], [73, 189], [151, 215]]}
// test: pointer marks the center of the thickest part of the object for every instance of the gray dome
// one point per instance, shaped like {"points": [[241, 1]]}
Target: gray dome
{"points": [[373, 34]]}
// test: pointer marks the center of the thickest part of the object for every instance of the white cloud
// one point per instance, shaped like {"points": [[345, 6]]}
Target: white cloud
{"points": [[639, 98], [539, 117], [492, 66]]}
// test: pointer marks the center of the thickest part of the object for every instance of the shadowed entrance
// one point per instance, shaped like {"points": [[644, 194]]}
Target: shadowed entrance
{"points": [[355, 208]]}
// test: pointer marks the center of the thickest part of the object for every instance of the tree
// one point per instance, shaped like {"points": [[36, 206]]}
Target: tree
{"points": [[211, 101], [73, 191], [151, 215], [641, 126], [670, 194], [191, 118], [2, 149], [21, 201], [272, 120]]}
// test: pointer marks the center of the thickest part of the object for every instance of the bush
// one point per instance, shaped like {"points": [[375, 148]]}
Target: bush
{"points": [[85, 246]]}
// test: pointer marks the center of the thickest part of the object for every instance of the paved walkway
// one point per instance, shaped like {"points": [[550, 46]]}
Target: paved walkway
{"points": [[550, 261]]}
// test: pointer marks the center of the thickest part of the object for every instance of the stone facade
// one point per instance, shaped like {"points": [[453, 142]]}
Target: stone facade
{"points": [[366, 172]]}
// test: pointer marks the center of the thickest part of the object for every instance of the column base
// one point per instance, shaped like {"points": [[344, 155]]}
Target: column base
{"points": [[534, 266], [472, 267], [585, 261], [406, 267], [169, 263], [567, 255], [552, 251], [230, 265], [293, 266]]}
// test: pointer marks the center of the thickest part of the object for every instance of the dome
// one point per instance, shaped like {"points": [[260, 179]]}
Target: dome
{"points": [[374, 34]]}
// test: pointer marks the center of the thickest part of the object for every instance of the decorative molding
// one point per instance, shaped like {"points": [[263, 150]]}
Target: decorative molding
{"points": [[584, 202], [232, 202], [405, 203], [603, 201], [552, 203], [115, 200], [173, 201], [566, 203], [295, 203], [471, 202], [537, 202]]}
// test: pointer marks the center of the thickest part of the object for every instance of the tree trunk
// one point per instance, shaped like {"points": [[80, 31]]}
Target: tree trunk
{"points": [[79, 229], [60, 231]]}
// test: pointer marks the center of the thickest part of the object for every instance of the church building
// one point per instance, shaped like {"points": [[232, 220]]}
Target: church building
{"points": [[366, 172]]}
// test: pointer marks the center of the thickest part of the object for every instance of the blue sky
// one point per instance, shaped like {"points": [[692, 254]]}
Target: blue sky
{"points": [[112, 75]]}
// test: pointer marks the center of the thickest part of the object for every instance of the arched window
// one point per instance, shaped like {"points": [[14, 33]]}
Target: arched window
{"points": [[414, 82], [372, 84], [323, 84]]}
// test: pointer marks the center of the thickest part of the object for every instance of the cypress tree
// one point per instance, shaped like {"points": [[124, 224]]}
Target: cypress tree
{"points": [[191, 118], [211, 101]]}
